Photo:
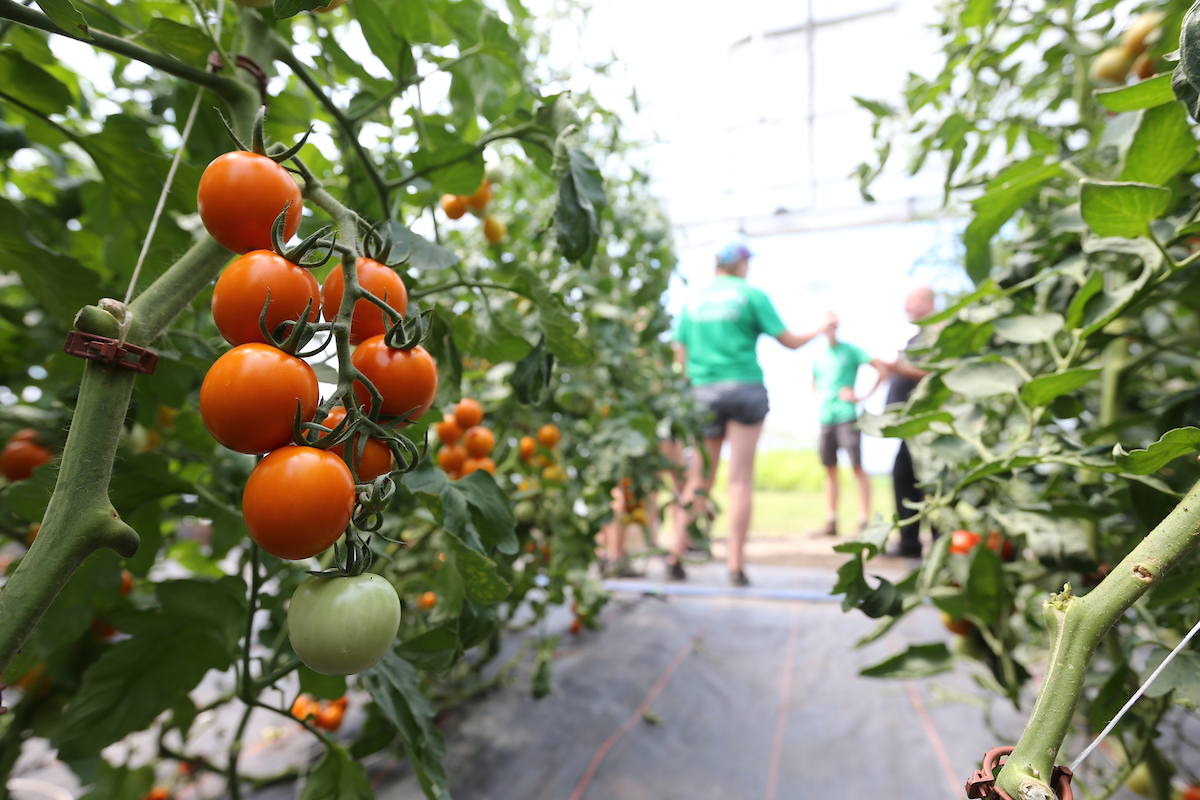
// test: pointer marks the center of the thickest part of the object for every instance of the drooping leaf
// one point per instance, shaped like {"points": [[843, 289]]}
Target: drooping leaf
{"points": [[918, 661], [394, 686], [337, 776], [1170, 446], [580, 198], [1045, 388], [983, 379], [30, 84]]}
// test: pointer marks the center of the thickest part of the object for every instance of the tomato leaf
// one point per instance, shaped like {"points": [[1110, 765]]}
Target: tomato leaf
{"points": [[337, 776], [580, 198], [918, 661], [1043, 389], [137, 679], [531, 378], [1004, 195], [1121, 209], [491, 511], [986, 592], [417, 251], [1182, 676], [185, 42], [1162, 145], [482, 582], [556, 321], [433, 650], [393, 684], [1143, 94], [1170, 446]]}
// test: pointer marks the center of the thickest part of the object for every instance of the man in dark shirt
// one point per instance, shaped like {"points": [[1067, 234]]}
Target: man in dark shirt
{"points": [[917, 305]]}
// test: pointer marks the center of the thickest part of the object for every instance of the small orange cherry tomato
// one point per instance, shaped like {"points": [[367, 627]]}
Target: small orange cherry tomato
{"points": [[368, 320], [454, 206], [478, 202], [304, 707], [452, 457], [549, 435], [248, 398], [158, 793], [479, 441], [330, 717], [527, 448], [242, 290], [468, 413], [21, 457], [447, 430], [427, 601], [473, 464], [298, 501], [963, 542], [239, 197], [407, 379], [126, 582]]}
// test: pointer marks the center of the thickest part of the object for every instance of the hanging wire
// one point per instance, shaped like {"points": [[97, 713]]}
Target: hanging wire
{"points": [[1142, 690], [162, 197]]}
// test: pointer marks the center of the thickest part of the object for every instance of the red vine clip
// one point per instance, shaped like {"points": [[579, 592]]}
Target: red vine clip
{"points": [[982, 784], [110, 351]]}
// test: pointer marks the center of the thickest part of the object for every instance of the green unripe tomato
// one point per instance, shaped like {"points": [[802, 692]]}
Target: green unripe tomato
{"points": [[1139, 781], [340, 626]]}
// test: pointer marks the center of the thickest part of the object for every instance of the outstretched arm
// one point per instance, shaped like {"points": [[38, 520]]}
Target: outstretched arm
{"points": [[794, 341], [881, 367]]}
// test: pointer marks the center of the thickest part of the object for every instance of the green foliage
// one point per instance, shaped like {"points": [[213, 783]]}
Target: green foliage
{"points": [[1054, 410], [560, 322]]}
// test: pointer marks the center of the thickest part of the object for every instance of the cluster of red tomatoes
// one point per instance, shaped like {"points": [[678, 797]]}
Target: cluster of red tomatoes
{"points": [[23, 453], [474, 453], [455, 205], [299, 500], [963, 542]]}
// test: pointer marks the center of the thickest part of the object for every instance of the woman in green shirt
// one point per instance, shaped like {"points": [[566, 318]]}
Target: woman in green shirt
{"points": [[716, 337]]}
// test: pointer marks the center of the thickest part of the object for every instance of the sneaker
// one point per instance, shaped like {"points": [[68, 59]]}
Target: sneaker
{"points": [[738, 578], [830, 529], [675, 571]]}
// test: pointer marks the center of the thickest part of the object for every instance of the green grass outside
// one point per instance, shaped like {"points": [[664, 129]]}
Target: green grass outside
{"points": [[789, 498]]}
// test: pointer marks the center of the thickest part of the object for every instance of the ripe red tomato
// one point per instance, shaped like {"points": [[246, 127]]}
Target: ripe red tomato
{"points": [[407, 379], [479, 441], [473, 464], [1191, 793], [340, 626], [963, 542], [451, 458], [527, 448], [447, 430], [240, 196], [298, 501], [549, 435], [369, 319], [376, 458], [242, 290], [468, 413], [1001, 545], [248, 398], [158, 793], [21, 457], [25, 435]]}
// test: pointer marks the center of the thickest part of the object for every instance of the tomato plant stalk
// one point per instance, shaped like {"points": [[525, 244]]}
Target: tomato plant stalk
{"points": [[1077, 625]]}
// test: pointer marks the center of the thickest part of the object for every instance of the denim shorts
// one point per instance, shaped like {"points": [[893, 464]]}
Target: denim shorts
{"points": [[721, 402]]}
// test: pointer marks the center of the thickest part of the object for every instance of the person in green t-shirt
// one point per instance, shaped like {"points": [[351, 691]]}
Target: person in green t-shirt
{"points": [[834, 372], [715, 340]]}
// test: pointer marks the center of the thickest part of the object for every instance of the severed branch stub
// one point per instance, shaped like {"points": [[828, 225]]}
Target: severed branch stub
{"points": [[94, 347], [982, 784]]}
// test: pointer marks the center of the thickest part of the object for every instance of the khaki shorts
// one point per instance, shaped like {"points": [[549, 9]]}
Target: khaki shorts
{"points": [[843, 435]]}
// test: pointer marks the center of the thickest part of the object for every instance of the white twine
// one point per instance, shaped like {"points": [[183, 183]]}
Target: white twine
{"points": [[162, 198], [1142, 690]]}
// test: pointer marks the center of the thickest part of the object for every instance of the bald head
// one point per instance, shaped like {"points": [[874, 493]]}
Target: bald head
{"points": [[919, 303]]}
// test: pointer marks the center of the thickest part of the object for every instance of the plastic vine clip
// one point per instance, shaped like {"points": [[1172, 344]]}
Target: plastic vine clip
{"points": [[110, 351], [982, 783]]}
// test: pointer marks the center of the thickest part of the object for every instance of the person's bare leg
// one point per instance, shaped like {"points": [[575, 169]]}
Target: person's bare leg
{"points": [[698, 477], [831, 493], [743, 442], [864, 495]]}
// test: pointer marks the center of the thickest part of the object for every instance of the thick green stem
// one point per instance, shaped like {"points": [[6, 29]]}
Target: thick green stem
{"points": [[80, 519], [1077, 625]]}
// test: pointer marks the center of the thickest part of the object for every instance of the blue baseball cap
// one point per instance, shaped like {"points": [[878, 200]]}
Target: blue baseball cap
{"points": [[733, 252]]}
